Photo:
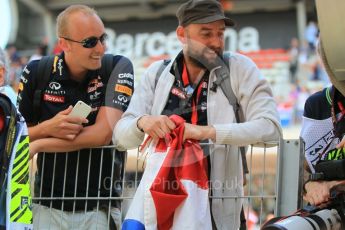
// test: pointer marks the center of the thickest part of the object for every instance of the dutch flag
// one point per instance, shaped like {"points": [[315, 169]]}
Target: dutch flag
{"points": [[174, 191]]}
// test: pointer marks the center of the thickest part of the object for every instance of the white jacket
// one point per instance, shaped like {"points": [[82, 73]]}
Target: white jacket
{"points": [[261, 125]]}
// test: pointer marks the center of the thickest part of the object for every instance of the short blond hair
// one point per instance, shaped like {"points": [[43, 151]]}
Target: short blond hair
{"points": [[62, 19]]}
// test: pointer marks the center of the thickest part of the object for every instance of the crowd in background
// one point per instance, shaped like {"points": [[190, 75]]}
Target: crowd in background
{"points": [[306, 75], [306, 72]]}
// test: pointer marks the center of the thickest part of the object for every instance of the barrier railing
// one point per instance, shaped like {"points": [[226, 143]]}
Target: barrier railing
{"points": [[98, 180]]}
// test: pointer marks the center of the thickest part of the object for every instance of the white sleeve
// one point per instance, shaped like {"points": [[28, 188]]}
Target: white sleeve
{"points": [[261, 119], [126, 134]]}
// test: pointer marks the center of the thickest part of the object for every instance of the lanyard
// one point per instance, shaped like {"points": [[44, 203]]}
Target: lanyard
{"points": [[189, 90]]}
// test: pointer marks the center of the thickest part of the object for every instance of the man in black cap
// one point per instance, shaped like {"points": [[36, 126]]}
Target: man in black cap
{"points": [[186, 87]]}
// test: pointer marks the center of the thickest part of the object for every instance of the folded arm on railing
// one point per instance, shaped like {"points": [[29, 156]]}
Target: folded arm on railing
{"points": [[95, 135]]}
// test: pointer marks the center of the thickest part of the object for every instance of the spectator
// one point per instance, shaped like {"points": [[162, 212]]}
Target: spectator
{"points": [[41, 51], [16, 66], [12, 53], [311, 35], [293, 59], [322, 130], [4, 78], [183, 88], [76, 75], [319, 136], [303, 95]]}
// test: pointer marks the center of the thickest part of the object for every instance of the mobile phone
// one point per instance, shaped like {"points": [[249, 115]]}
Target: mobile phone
{"points": [[80, 109]]}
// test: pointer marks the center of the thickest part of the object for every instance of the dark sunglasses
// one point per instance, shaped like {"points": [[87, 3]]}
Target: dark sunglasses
{"points": [[89, 42]]}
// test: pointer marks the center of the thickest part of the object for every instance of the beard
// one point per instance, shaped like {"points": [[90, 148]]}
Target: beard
{"points": [[200, 59]]}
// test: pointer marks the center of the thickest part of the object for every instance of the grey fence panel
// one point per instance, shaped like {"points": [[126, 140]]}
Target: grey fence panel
{"points": [[290, 177], [260, 189]]}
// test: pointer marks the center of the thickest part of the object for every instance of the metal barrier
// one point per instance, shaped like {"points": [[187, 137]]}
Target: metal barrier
{"points": [[290, 177], [86, 182], [260, 193], [272, 188]]}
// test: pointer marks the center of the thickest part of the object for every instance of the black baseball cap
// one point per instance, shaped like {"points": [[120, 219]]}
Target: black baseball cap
{"points": [[201, 12]]}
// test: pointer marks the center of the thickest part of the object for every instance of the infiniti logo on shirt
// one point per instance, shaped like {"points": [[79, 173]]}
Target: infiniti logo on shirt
{"points": [[122, 98], [54, 85]]}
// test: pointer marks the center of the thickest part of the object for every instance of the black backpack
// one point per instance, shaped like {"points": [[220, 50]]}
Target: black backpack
{"points": [[45, 66]]}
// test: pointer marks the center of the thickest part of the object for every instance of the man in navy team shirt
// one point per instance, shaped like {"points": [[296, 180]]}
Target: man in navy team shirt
{"points": [[76, 75]]}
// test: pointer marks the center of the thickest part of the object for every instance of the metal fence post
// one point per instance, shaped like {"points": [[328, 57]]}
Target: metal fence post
{"points": [[290, 176]]}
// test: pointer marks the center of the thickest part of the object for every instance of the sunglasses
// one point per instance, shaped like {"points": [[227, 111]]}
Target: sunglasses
{"points": [[89, 42]]}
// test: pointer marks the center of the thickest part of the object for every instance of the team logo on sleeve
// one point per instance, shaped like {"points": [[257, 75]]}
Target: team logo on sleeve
{"points": [[122, 98], [123, 89], [125, 82], [126, 75]]}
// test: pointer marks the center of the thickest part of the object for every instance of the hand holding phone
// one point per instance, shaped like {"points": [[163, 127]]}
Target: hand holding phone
{"points": [[80, 109]]}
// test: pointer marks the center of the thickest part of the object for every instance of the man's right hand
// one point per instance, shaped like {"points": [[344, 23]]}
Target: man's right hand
{"points": [[318, 192], [156, 126], [63, 126]]}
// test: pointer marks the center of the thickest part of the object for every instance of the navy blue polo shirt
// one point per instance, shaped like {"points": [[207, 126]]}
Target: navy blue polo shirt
{"points": [[61, 92]]}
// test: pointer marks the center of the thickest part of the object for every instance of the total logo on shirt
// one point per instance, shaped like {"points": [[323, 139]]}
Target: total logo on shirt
{"points": [[53, 98]]}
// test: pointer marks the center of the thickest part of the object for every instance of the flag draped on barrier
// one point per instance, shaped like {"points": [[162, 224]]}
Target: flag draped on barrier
{"points": [[173, 192]]}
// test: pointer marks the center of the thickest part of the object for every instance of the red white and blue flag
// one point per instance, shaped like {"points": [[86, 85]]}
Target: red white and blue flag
{"points": [[174, 191]]}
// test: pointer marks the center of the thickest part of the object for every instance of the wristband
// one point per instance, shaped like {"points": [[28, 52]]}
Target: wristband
{"points": [[141, 130]]}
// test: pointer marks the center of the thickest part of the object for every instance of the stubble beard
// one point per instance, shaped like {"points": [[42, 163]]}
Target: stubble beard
{"points": [[199, 60]]}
